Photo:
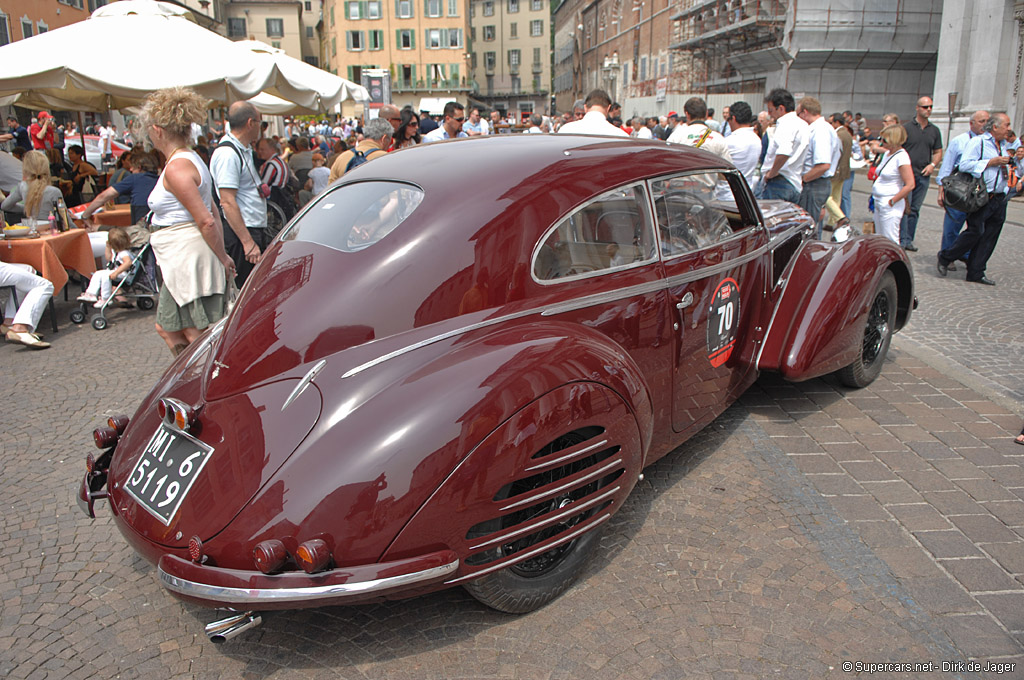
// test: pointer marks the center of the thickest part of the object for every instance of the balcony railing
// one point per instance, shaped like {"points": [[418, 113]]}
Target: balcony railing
{"points": [[403, 85]]}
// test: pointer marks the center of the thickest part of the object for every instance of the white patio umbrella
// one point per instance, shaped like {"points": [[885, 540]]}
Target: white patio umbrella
{"points": [[313, 90], [47, 71]]}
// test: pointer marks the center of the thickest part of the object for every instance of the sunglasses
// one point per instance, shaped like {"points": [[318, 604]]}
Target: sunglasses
{"points": [[461, 119], [924, 107]]}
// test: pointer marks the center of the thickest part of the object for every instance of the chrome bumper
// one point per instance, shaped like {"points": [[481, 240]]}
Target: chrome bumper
{"points": [[255, 590]]}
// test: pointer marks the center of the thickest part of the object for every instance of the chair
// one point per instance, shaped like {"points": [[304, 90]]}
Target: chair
{"points": [[13, 292]]}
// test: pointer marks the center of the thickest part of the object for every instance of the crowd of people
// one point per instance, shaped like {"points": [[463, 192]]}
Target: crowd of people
{"points": [[206, 186]]}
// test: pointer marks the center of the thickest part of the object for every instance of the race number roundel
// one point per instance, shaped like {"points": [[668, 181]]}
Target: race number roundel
{"points": [[723, 320]]}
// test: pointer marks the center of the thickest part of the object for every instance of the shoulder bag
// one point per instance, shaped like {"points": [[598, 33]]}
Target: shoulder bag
{"points": [[963, 191]]}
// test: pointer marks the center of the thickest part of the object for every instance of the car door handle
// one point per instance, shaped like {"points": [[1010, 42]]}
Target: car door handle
{"points": [[685, 302]]}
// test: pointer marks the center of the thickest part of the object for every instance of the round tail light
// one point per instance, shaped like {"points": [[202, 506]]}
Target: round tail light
{"points": [[90, 462], [105, 437], [161, 409], [119, 423], [195, 549], [313, 555], [269, 556]]}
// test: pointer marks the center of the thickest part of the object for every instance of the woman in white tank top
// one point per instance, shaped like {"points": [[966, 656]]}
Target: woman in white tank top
{"points": [[187, 238], [894, 184]]}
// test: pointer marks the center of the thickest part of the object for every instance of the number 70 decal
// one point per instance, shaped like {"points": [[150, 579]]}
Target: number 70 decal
{"points": [[723, 320]]}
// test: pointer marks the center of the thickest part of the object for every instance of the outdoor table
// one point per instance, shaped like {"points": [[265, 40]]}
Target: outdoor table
{"points": [[118, 216], [52, 254]]}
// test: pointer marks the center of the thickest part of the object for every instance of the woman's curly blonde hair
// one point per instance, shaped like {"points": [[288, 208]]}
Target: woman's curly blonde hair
{"points": [[174, 109]]}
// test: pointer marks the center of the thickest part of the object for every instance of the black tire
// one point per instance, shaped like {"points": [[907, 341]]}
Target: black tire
{"points": [[99, 323], [77, 316], [276, 219], [145, 303], [878, 332], [521, 588]]}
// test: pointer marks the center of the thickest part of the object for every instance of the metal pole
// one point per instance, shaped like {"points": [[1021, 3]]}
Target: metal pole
{"points": [[952, 107]]}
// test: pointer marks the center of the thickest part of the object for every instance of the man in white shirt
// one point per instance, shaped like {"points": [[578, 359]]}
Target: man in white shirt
{"points": [[595, 121], [535, 122], [106, 142], [744, 144], [242, 198], [787, 149], [454, 115], [475, 126], [640, 129], [822, 157], [697, 133]]}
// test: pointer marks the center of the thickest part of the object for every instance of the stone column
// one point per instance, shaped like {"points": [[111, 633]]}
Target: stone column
{"points": [[1016, 108]]}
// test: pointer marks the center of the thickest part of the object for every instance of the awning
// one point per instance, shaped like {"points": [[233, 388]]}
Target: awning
{"points": [[434, 105], [760, 61]]}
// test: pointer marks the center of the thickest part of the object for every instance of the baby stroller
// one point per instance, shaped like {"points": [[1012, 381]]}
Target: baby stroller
{"points": [[140, 283]]}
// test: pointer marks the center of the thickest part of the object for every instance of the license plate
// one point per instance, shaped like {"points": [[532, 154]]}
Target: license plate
{"points": [[166, 470]]}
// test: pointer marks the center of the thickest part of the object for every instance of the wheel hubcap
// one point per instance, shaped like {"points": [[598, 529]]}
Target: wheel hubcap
{"points": [[877, 328]]}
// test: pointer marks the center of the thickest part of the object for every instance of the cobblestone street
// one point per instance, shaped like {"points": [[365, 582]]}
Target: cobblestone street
{"points": [[809, 526]]}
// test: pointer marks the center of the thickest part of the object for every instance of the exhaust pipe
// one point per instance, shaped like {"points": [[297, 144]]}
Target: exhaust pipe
{"points": [[233, 626]]}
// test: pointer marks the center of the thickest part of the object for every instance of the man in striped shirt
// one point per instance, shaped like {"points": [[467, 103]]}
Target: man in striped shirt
{"points": [[275, 174]]}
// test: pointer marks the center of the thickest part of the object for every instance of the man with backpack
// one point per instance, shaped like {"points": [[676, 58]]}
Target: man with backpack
{"points": [[377, 136], [242, 195]]}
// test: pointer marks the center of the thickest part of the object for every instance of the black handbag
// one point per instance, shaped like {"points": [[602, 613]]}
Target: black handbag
{"points": [[963, 191]]}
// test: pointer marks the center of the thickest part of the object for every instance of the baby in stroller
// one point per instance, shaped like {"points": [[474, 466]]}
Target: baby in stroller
{"points": [[120, 256]]}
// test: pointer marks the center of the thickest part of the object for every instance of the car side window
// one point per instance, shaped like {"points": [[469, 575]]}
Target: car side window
{"points": [[695, 211], [610, 232]]}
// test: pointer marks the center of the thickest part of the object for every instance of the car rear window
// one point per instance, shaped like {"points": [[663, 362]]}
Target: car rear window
{"points": [[355, 216]]}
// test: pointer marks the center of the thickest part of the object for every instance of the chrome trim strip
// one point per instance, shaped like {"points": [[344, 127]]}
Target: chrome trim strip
{"points": [[596, 472], [304, 383], [782, 236], [532, 553], [568, 511], [561, 308], [562, 459], [257, 595]]}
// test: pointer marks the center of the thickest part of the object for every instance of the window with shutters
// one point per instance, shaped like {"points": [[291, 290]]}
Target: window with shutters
{"points": [[433, 38], [275, 28], [403, 8], [376, 40], [488, 9], [453, 8], [436, 72], [354, 41], [536, 55], [513, 30], [405, 39], [536, 28], [513, 57], [353, 13], [537, 5], [454, 38], [309, 5], [489, 60], [373, 9], [236, 27], [432, 8], [513, 6], [488, 33]]}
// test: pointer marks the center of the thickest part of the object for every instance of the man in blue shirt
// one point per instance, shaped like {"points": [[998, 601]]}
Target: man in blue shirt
{"points": [[454, 115], [988, 157], [954, 220], [18, 133]]}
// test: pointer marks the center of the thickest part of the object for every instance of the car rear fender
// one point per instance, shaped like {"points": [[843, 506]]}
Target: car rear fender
{"points": [[391, 435], [822, 305]]}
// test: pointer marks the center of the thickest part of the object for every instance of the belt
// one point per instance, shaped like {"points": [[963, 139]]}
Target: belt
{"points": [[999, 195]]}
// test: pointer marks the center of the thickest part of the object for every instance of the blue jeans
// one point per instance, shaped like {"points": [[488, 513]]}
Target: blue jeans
{"points": [[845, 203], [779, 188], [952, 223], [812, 199], [908, 227]]}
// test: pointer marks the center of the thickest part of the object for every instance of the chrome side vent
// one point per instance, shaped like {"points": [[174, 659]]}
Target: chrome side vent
{"points": [[573, 481]]}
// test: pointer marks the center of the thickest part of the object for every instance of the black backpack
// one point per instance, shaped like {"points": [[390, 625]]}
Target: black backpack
{"points": [[358, 158]]}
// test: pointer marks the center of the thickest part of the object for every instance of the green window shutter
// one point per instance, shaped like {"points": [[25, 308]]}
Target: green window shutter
{"points": [[426, 38], [351, 75], [397, 11], [348, 40], [454, 72], [426, 8], [398, 38], [362, 40], [444, 37], [412, 39], [362, 9], [347, 17]]}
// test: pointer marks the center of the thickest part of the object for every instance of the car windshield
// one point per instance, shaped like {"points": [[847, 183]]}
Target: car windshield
{"points": [[355, 216]]}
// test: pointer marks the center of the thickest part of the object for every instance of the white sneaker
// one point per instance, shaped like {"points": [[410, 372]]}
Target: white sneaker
{"points": [[87, 297], [99, 303]]}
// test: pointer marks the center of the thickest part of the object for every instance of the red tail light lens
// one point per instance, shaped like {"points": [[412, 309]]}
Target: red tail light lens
{"points": [[104, 437], [119, 423], [269, 556], [90, 462], [161, 409], [313, 556], [195, 549]]}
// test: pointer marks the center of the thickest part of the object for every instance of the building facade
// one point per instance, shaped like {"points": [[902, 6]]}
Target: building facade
{"points": [[422, 43], [510, 66], [274, 22], [20, 19]]}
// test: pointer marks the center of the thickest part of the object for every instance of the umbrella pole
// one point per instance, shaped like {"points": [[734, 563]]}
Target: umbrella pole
{"points": [[81, 131]]}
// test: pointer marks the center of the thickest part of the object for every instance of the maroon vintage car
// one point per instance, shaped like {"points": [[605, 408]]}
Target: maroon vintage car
{"points": [[454, 365]]}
